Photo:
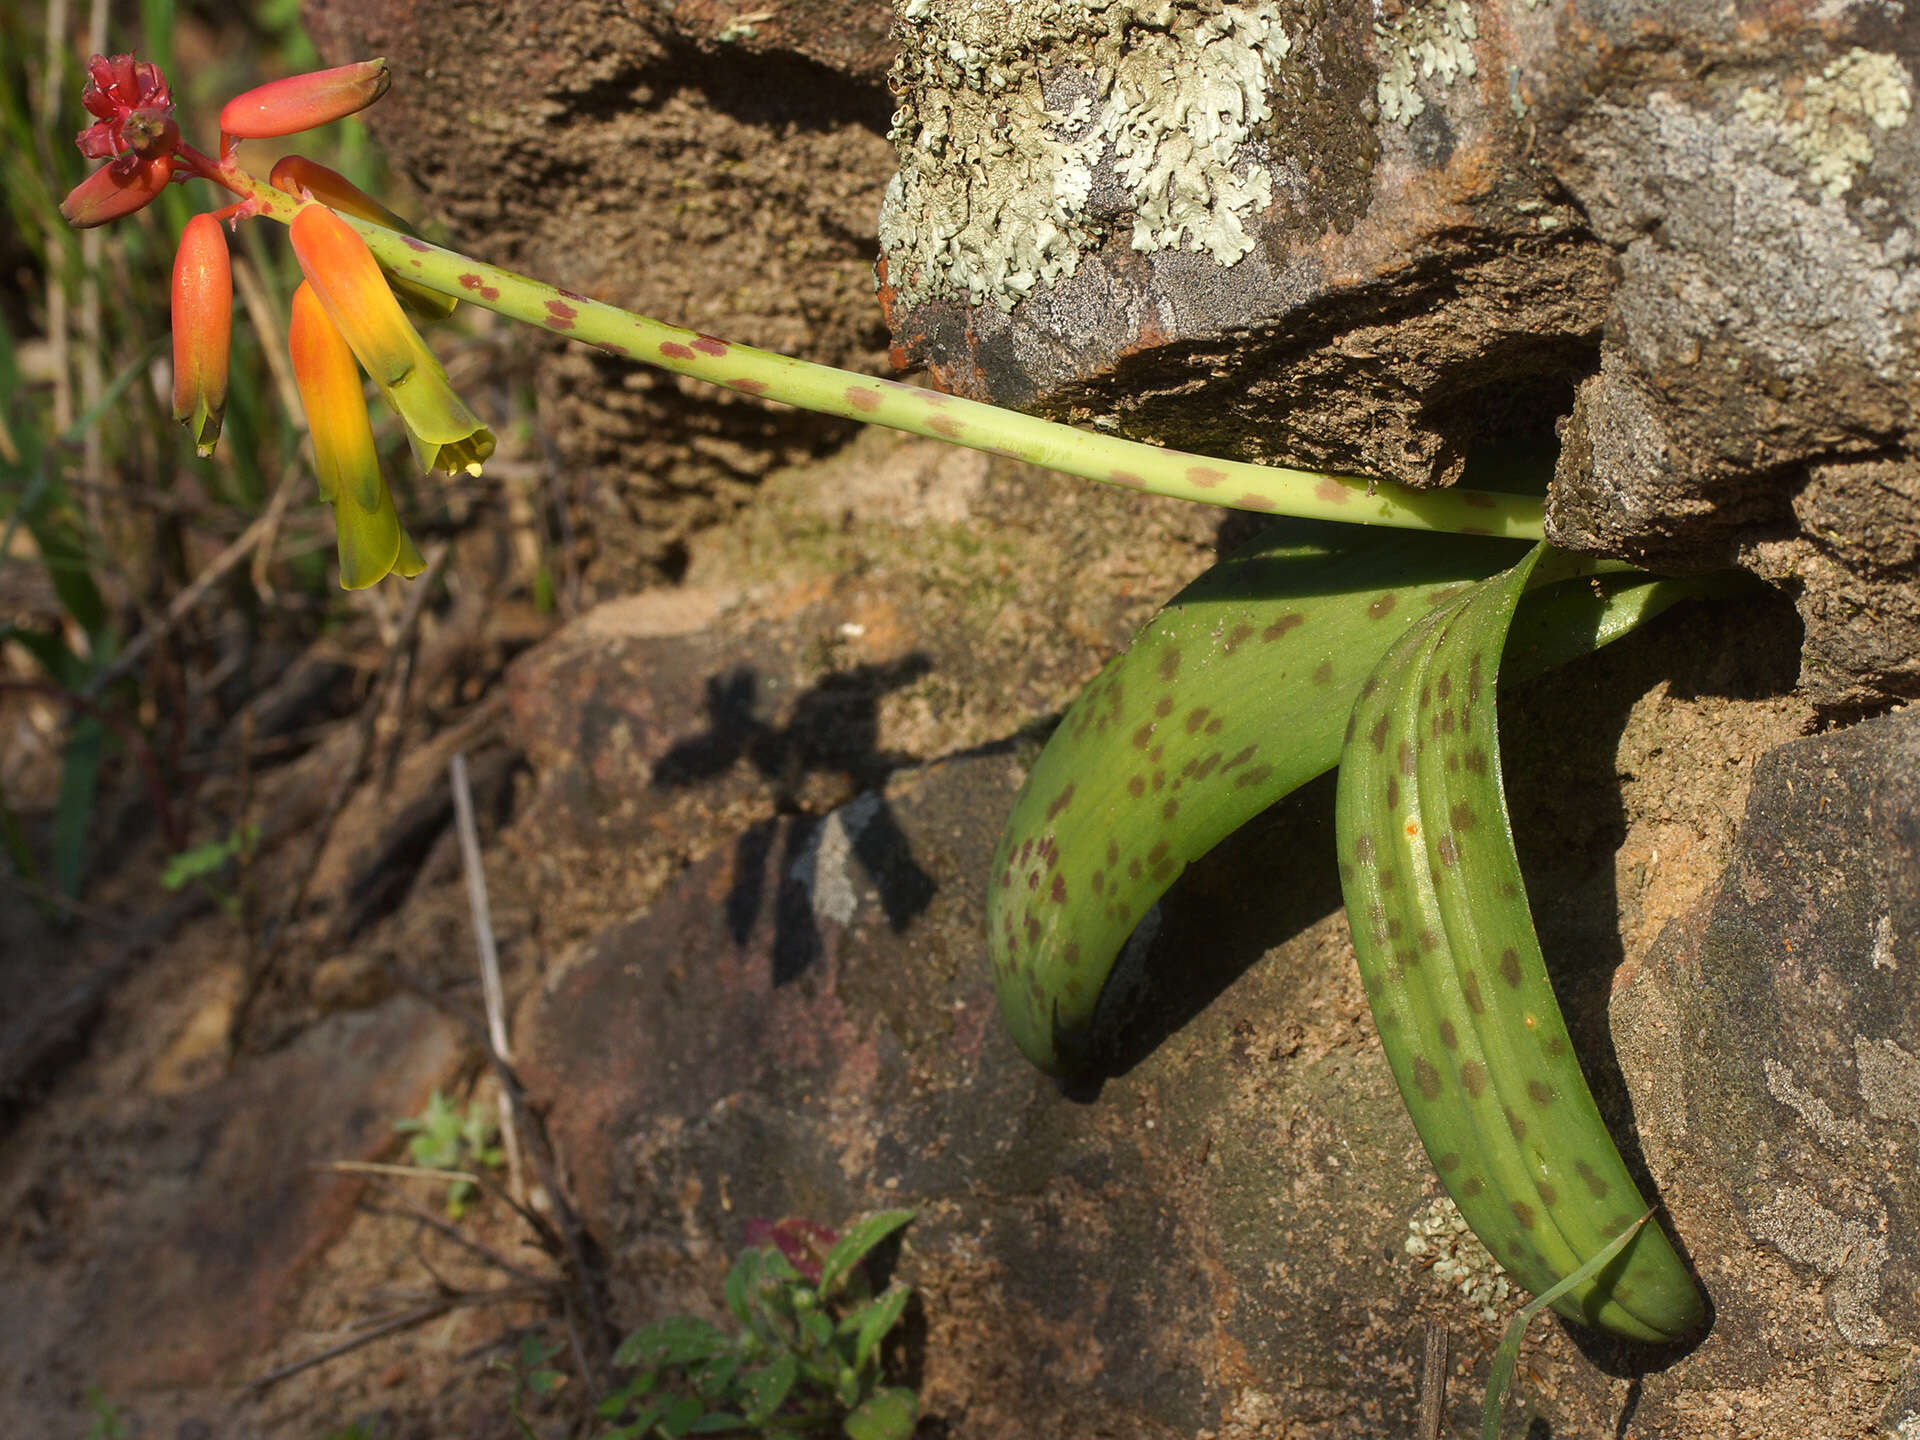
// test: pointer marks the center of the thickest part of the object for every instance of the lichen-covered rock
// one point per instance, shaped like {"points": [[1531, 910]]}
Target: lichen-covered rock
{"points": [[1397, 242]]}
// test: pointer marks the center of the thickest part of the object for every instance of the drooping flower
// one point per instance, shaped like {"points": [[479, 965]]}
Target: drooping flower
{"points": [[302, 102], [202, 329], [444, 433], [132, 109], [128, 184], [310, 180], [371, 541]]}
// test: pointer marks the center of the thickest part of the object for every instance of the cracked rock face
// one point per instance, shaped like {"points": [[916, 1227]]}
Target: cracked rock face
{"points": [[1420, 241]]}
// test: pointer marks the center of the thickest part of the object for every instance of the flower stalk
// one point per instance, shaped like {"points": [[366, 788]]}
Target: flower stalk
{"points": [[1133, 464], [360, 263]]}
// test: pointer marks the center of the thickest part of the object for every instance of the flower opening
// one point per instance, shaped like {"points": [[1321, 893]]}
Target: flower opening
{"points": [[132, 109]]}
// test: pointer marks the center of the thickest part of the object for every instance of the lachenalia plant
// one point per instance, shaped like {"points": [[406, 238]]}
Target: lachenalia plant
{"points": [[1375, 646]]}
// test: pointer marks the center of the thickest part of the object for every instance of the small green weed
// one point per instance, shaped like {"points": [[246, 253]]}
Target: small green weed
{"points": [[203, 863], [805, 1362], [107, 1424], [533, 1375], [446, 1139]]}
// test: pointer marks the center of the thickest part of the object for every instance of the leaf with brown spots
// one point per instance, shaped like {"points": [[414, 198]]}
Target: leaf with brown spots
{"points": [[1512, 1104], [1229, 698]]}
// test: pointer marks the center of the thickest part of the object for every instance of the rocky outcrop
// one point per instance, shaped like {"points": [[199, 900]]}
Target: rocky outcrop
{"points": [[1234, 1232], [1416, 241]]}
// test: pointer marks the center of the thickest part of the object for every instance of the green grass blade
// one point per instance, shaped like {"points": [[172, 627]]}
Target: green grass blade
{"points": [[73, 810], [1500, 1373], [1229, 698], [1458, 986]]}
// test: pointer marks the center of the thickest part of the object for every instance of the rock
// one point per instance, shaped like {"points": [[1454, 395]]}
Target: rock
{"points": [[898, 603], [1413, 241], [190, 1267], [716, 164], [1214, 1239], [1772, 1045]]}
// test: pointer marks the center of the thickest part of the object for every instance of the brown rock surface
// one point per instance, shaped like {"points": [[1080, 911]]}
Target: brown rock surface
{"points": [[719, 165]]}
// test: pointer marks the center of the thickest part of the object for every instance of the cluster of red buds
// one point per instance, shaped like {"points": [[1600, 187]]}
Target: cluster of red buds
{"points": [[347, 315]]}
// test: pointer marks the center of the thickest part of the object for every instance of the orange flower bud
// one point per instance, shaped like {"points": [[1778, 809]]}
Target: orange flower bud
{"points": [[301, 102], [128, 184], [444, 433], [202, 329], [300, 176]]}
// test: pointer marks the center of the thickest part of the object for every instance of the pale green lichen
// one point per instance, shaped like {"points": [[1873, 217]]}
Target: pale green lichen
{"points": [[1163, 105], [1829, 123], [1431, 41], [1441, 1240]]}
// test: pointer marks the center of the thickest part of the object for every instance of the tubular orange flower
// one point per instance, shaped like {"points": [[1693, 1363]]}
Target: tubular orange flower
{"points": [[300, 176], [202, 329], [371, 541], [444, 433], [128, 184], [301, 102]]}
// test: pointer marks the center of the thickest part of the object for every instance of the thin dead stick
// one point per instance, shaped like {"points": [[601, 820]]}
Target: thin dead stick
{"points": [[217, 570], [491, 989], [549, 1237], [92, 374], [1433, 1384], [403, 1172], [409, 1211], [566, 1220], [406, 1320], [58, 322]]}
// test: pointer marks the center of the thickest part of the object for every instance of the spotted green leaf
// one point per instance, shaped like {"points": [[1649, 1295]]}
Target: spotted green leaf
{"points": [[1229, 698], [1458, 986]]}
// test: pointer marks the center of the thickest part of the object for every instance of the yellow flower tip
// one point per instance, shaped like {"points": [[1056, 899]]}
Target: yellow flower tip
{"points": [[302, 102], [202, 329]]}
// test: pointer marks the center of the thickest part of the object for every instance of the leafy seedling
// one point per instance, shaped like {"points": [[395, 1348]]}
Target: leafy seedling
{"points": [[805, 1359]]}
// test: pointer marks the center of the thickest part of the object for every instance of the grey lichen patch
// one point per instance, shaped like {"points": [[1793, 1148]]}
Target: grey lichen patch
{"points": [[1851, 1253], [1010, 170], [1441, 1240], [1889, 1079], [1829, 124], [1432, 40]]}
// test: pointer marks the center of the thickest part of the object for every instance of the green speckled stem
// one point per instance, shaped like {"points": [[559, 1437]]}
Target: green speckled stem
{"points": [[1232, 483]]}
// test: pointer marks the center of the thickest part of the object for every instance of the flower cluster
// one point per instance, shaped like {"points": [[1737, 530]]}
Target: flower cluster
{"points": [[347, 315]]}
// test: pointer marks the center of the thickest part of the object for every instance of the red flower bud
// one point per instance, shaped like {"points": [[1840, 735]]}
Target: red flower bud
{"points": [[202, 329], [301, 102], [128, 184]]}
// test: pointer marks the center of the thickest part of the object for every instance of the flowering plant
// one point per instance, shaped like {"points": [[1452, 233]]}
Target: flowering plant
{"points": [[365, 270]]}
